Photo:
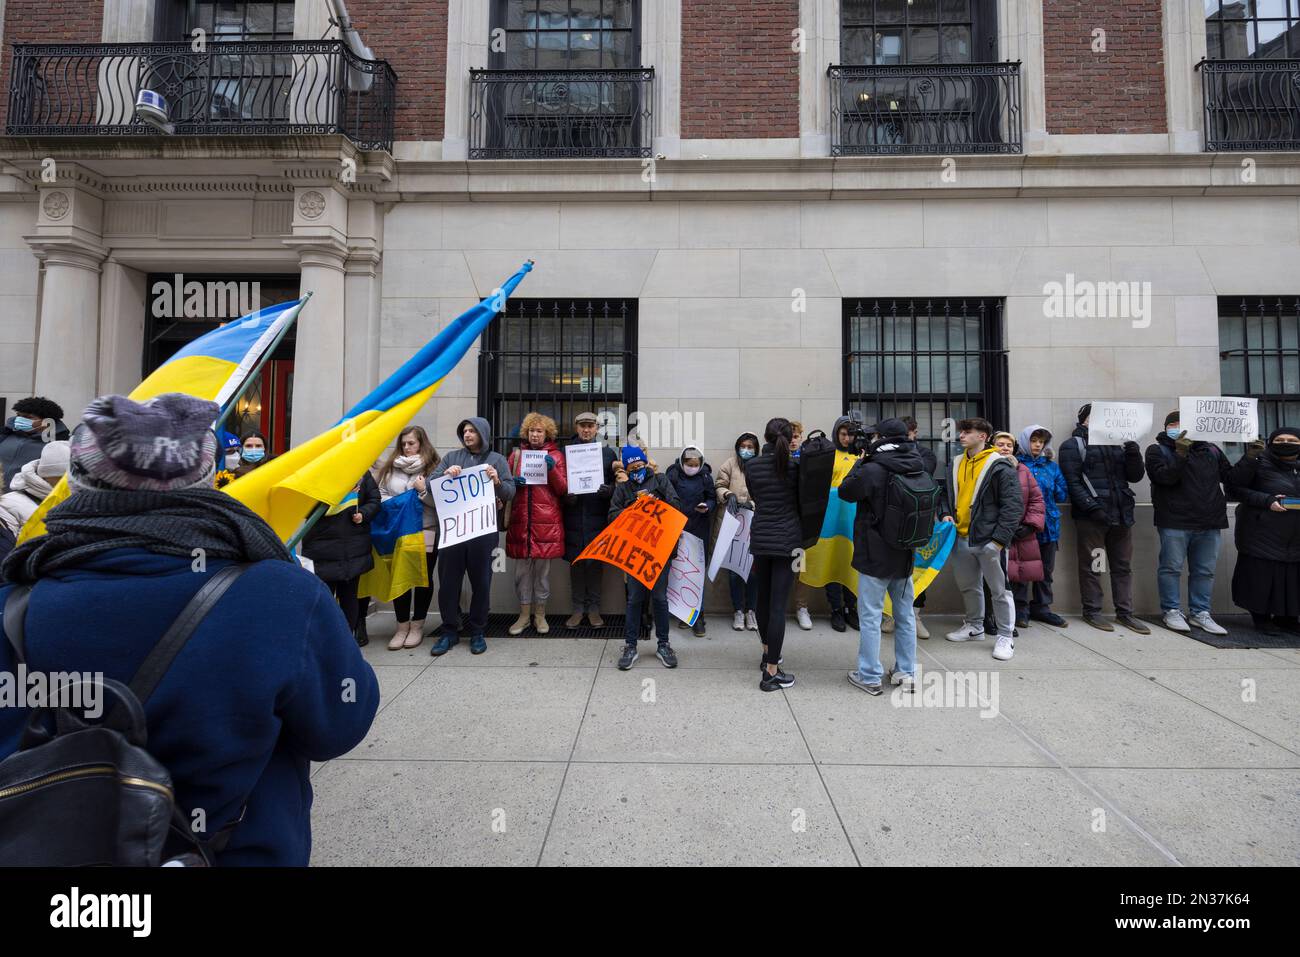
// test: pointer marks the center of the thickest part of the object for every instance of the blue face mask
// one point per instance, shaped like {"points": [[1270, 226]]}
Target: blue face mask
{"points": [[637, 475], [1173, 433], [746, 454], [22, 424], [253, 455]]}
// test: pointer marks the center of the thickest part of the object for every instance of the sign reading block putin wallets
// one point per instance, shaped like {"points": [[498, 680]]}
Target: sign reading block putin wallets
{"points": [[585, 465], [467, 506], [640, 541], [1219, 418], [686, 579], [731, 550], [1114, 423]]}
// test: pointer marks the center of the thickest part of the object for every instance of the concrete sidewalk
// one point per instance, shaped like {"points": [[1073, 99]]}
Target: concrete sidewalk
{"points": [[1105, 749]]}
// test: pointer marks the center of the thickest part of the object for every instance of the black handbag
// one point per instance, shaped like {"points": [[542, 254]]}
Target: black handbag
{"points": [[89, 793]]}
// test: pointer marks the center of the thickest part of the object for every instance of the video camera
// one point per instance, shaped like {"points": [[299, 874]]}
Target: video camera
{"points": [[859, 437]]}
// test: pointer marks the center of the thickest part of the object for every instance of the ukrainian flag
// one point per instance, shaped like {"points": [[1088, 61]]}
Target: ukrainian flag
{"points": [[211, 367], [397, 546], [325, 468]]}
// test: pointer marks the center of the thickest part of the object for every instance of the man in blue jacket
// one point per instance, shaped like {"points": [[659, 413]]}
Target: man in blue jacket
{"points": [[271, 679]]}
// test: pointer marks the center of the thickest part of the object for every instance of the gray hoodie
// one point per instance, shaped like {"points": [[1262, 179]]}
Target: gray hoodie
{"points": [[467, 459]]}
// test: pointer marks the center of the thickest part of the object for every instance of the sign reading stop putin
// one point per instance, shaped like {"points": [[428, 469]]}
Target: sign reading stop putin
{"points": [[640, 541]]}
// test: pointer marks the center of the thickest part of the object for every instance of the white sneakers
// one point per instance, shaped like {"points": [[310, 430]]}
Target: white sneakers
{"points": [[1175, 621], [966, 633], [887, 624], [906, 683], [751, 621], [1203, 621], [1004, 649], [738, 621], [805, 620], [921, 630]]}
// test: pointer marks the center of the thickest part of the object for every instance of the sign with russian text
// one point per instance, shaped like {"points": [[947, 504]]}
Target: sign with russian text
{"points": [[1114, 423]]}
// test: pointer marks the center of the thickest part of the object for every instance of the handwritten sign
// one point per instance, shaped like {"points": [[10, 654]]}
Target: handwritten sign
{"points": [[1114, 423], [640, 541], [532, 466], [1219, 418], [686, 579], [467, 506], [586, 468], [731, 550]]}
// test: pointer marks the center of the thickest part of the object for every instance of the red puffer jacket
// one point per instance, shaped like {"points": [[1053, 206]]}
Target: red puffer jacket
{"points": [[1025, 559], [536, 526]]}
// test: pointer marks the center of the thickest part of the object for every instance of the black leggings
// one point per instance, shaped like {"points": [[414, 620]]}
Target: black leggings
{"points": [[346, 595], [423, 596], [775, 580]]}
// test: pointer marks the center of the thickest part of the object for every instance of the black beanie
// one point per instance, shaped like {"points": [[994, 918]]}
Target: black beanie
{"points": [[1173, 417]]}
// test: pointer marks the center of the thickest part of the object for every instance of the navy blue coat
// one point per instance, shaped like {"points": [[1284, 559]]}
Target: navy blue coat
{"points": [[271, 681], [695, 490]]}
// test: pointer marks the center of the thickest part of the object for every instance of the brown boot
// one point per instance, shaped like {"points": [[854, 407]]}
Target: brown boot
{"points": [[399, 636], [595, 619], [525, 611], [539, 619], [415, 635], [574, 620]]}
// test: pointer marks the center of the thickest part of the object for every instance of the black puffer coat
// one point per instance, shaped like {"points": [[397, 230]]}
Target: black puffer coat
{"points": [[586, 515], [340, 548], [1187, 491], [695, 490], [1260, 532], [1108, 469], [776, 530], [866, 484]]}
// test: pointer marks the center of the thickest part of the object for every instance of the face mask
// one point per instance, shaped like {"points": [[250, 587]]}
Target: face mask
{"points": [[22, 424], [637, 475], [746, 454], [1284, 450], [691, 469], [254, 455], [1173, 433], [232, 460]]}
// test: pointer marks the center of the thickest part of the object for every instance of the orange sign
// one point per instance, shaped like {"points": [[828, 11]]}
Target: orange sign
{"points": [[640, 541]]}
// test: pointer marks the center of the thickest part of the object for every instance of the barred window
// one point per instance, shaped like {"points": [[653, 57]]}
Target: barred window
{"points": [[567, 34], [1259, 355], [1247, 29], [932, 359], [888, 32], [558, 357]]}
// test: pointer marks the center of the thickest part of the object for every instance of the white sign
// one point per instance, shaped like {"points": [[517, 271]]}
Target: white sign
{"points": [[686, 579], [731, 550], [1219, 418], [1114, 423], [467, 506], [532, 466], [586, 467]]}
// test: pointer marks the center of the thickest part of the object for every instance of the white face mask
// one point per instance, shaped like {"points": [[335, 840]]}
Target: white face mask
{"points": [[232, 460], [691, 469]]}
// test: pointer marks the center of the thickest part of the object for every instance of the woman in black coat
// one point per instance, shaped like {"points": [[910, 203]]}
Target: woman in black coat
{"points": [[775, 535], [1266, 581], [339, 547]]}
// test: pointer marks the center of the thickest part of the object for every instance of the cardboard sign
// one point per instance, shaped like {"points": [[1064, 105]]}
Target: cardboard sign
{"points": [[1219, 418], [467, 506], [1114, 423], [640, 541], [686, 579], [532, 466], [731, 550], [586, 468]]}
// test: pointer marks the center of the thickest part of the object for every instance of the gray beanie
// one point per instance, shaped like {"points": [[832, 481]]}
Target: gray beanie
{"points": [[163, 444], [53, 463]]}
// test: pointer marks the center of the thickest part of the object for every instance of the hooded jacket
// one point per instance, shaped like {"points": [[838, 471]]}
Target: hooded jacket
{"points": [[776, 530], [586, 515], [695, 490], [19, 448], [867, 484], [339, 547], [625, 493], [1098, 480], [730, 479], [484, 456], [1261, 532], [996, 506], [1187, 491], [1051, 482], [31, 485], [536, 527], [1024, 557]]}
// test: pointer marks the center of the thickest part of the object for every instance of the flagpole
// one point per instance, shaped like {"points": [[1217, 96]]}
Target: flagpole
{"points": [[315, 516], [257, 369]]}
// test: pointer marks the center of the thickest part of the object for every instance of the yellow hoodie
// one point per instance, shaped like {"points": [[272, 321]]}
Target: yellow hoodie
{"points": [[968, 471]]}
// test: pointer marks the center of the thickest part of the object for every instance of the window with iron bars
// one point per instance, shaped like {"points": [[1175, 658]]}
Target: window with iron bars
{"points": [[558, 357], [931, 359], [1259, 356]]}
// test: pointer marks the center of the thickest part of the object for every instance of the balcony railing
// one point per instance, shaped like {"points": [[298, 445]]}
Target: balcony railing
{"points": [[274, 87], [1251, 104], [531, 114], [932, 108]]}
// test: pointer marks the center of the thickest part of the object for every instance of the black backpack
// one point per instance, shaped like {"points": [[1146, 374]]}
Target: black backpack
{"points": [[90, 794], [911, 507], [816, 468]]}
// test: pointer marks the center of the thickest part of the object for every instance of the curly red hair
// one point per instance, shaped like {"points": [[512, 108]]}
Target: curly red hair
{"points": [[535, 420]]}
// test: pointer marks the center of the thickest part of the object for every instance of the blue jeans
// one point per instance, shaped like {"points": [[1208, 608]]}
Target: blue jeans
{"points": [[744, 594], [871, 608], [636, 596], [1199, 550]]}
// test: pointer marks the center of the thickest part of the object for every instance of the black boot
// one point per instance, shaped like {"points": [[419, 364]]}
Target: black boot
{"points": [[837, 619], [362, 636]]}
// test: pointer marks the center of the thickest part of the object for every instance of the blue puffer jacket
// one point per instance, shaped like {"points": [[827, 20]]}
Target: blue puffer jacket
{"points": [[1055, 492]]}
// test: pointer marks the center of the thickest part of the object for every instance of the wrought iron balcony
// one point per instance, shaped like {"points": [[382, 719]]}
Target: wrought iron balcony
{"points": [[932, 108], [274, 87], [550, 114], [1251, 104]]}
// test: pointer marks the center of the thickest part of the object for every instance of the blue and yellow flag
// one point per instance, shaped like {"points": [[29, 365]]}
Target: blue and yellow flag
{"points": [[324, 468], [397, 546], [211, 367]]}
